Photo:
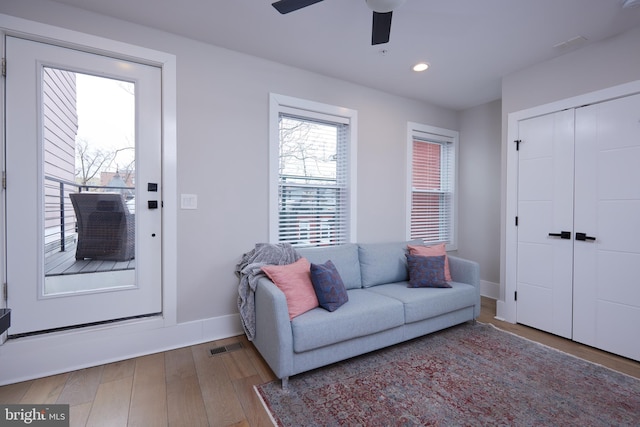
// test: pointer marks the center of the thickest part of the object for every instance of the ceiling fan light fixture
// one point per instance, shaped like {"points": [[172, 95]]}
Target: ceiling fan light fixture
{"points": [[383, 6], [420, 66]]}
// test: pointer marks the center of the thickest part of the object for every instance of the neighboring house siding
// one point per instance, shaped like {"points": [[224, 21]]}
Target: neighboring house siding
{"points": [[60, 126]]}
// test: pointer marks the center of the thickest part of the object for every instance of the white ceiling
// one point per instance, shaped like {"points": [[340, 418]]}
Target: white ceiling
{"points": [[470, 44]]}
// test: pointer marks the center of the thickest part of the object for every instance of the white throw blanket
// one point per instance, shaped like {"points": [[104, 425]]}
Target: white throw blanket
{"points": [[249, 270]]}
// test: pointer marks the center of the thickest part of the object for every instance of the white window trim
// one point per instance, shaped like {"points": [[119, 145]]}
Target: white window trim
{"points": [[432, 132], [282, 103]]}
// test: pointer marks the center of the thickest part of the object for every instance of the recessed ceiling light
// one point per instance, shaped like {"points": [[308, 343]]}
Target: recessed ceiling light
{"points": [[421, 66]]}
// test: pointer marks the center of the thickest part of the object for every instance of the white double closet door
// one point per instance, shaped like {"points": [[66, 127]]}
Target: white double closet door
{"points": [[578, 261]]}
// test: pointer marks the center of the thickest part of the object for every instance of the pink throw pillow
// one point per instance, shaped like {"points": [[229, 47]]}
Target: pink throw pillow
{"points": [[434, 250], [295, 281]]}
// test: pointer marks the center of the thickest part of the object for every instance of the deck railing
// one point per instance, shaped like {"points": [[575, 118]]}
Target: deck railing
{"points": [[59, 217]]}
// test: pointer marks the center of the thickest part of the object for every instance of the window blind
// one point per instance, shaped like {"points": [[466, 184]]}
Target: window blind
{"points": [[432, 190], [313, 205]]}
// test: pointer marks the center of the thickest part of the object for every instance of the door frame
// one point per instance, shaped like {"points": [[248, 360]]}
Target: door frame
{"points": [[134, 292], [121, 339], [506, 306]]}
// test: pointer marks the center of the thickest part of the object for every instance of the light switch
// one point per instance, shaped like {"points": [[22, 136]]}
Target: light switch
{"points": [[189, 201]]}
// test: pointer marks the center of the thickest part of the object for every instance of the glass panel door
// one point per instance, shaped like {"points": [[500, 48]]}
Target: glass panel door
{"points": [[82, 131]]}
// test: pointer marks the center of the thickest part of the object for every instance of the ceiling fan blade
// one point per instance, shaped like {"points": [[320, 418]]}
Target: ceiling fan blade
{"points": [[381, 27], [286, 6]]}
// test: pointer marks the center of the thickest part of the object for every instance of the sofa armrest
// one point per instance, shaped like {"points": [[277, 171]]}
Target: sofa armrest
{"points": [[274, 337], [466, 271]]}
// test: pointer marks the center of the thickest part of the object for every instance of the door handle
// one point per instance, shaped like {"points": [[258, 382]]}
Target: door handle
{"points": [[562, 235], [583, 237]]}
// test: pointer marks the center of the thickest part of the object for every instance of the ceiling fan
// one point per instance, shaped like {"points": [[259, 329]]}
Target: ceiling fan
{"points": [[382, 12]]}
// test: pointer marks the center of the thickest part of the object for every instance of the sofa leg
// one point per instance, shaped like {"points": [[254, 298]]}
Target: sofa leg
{"points": [[285, 383]]}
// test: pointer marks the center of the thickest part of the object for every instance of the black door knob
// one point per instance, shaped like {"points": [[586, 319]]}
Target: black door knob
{"points": [[583, 237], [562, 235]]}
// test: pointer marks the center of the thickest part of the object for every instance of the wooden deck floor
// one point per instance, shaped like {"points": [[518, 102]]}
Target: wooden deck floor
{"points": [[64, 263]]}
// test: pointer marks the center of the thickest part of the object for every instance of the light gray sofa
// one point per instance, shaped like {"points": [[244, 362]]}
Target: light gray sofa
{"points": [[381, 310]]}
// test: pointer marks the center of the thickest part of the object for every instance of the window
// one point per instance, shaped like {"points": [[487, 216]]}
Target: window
{"points": [[432, 195], [312, 191]]}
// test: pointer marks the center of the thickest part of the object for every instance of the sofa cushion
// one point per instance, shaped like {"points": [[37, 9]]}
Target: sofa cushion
{"points": [[294, 280], [382, 263], [426, 271], [364, 314], [344, 257], [433, 250], [424, 303], [328, 285]]}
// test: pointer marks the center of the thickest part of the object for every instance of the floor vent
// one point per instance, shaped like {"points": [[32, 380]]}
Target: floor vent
{"points": [[225, 349]]}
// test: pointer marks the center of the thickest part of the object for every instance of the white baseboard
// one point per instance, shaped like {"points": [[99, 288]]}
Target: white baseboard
{"points": [[43, 355], [490, 289]]}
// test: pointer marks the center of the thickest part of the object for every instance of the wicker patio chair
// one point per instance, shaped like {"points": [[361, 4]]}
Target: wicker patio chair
{"points": [[106, 228]]}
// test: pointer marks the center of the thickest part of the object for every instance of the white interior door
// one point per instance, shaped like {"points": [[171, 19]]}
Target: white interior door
{"points": [[545, 211], [53, 95], [607, 211]]}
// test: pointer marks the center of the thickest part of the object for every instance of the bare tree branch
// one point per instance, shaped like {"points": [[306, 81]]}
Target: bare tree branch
{"points": [[92, 161]]}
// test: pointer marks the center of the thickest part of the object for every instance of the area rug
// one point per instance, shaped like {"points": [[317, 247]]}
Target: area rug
{"points": [[468, 375]]}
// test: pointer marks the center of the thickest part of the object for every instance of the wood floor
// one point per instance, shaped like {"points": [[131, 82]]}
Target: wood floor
{"points": [[64, 263], [189, 387]]}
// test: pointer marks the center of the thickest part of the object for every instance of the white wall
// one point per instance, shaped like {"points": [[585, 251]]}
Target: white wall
{"points": [[479, 192], [222, 137], [599, 66]]}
